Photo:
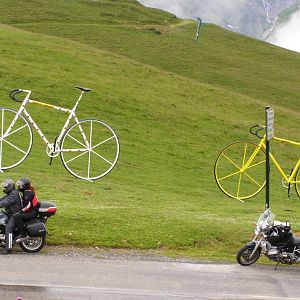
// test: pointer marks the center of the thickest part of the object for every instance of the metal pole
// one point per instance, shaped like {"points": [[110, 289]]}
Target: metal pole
{"points": [[198, 29], [267, 165]]}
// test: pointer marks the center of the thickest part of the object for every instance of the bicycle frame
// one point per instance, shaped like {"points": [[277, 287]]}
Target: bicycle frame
{"points": [[53, 148], [262, 145]]}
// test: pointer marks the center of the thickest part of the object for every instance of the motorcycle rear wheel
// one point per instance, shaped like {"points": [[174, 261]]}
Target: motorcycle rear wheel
{"points": [[243, 255], [33, 244]]}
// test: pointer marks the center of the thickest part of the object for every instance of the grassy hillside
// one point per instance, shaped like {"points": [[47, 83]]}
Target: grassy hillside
{"points": [[174, 104]]}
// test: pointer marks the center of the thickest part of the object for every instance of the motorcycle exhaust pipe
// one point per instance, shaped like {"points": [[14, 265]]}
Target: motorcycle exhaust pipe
{"points": [[19, 240]]}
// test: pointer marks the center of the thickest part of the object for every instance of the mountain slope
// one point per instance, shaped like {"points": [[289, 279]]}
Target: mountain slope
{"points": [[240, 74], [174, 104], [256, 18]]}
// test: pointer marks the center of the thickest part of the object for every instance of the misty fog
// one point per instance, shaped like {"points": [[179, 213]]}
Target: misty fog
{"points": [[288, 34], [191, 9]]}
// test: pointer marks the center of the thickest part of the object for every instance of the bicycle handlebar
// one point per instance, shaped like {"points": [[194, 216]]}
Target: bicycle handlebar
{"points": [[13, 94], [256, 129]]}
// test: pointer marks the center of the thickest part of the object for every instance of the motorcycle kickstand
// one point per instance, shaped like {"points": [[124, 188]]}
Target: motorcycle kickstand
{"points": [[276, 266]]}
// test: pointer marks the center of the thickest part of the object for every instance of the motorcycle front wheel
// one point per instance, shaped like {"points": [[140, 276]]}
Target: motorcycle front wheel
{"points": [[243, 255], [33, 244]]}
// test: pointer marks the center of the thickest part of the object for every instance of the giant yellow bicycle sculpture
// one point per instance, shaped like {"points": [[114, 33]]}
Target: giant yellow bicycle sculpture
{"points": [[240, 167]]}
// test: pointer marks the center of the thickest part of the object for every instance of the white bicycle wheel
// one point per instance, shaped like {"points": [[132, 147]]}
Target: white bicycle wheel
{"points": [[90, 149], [16, 144]]}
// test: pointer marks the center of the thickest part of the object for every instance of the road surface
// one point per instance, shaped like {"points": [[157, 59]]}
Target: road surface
{"points": [[77, 275]]}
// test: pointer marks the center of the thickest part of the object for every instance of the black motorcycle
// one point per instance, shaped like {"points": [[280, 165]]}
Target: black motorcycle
{"points": [[273, 239], [35, 229]]}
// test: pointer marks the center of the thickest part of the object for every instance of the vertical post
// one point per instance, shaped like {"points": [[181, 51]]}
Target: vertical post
{"points": [[267, 174], [198, 29], [269, 135]]}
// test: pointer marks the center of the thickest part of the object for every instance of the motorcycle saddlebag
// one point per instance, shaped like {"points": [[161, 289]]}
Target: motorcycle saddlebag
{"points": [[36, 228], [47, 209]]}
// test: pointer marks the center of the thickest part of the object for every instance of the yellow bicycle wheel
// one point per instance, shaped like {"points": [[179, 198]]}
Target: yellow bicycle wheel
{"points": [[240, 170], [297, 185]]}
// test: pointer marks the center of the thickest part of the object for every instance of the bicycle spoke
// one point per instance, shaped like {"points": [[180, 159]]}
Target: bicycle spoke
{"points": [[89, 159], [256, 164], [14, 146], [253, 180], [76, 140], [240, 177], [76, 157], [101, 143], [227, 176], [230, 160], [103, 158], [91, 133], [244, 156], [89, 165], [18, 129], [239, 185]]}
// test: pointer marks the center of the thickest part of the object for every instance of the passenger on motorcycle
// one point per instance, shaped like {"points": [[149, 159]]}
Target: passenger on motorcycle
{"points": [[29, 204], [12, 204]]}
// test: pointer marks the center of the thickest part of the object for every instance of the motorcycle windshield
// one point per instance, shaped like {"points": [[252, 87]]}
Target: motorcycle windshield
{"points": [[267, 217]]}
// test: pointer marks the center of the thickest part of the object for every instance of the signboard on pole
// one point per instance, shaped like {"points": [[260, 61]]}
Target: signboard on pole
{"points": [[269, 123]]}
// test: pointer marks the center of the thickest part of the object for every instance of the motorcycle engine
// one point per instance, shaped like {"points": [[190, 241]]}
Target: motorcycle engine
{"points": [[273, 253], [283, 257]]}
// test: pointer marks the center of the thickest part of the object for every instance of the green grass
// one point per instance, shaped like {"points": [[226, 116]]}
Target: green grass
{"points": [[174, 104]]}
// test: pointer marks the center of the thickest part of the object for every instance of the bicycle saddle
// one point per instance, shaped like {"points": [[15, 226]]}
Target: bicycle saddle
{"points": [[83, 89]]}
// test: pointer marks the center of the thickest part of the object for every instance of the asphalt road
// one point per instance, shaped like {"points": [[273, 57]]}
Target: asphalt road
{"points": [[110, 276]]}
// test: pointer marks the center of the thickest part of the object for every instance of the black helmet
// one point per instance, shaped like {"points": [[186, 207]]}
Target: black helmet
{"points": [[23, 184], [8, 185]]}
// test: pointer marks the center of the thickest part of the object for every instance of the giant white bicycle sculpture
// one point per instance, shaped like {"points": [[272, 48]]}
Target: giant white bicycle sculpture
{"points": [[89, 149]]}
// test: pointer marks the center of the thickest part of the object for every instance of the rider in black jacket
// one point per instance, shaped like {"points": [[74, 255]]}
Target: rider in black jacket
{"points": [[29, 204], [12, 204]]}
